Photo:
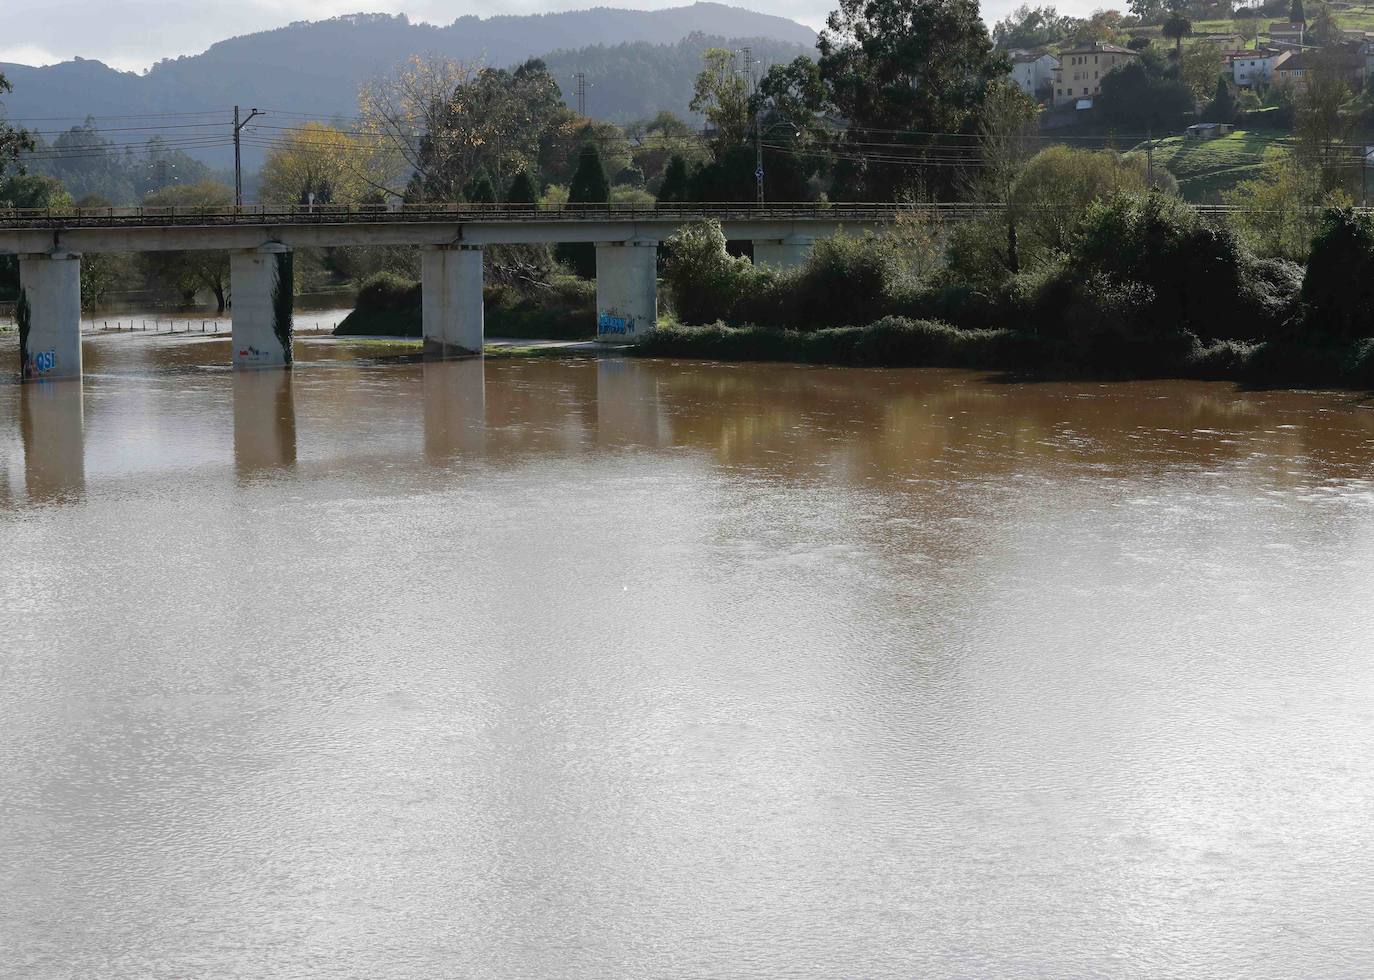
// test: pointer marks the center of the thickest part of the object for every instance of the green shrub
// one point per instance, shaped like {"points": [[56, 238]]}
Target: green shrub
{"points": [[704, 281], [1338, 290]]}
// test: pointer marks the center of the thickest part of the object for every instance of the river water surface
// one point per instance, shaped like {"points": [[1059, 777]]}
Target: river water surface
{"points": [[593, 668]]}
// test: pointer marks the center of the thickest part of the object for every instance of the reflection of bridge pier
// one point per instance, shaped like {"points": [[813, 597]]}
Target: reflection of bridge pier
{"points": [[264, 422], [455, 407], [52, 425], [628, 405]]}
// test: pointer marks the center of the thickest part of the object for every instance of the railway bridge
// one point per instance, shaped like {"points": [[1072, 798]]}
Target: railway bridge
{"points": [[260, 240]]}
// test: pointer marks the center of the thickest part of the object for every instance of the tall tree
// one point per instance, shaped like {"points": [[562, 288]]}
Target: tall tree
{"points": [[1222, 108], [1296, 14], [910, 74], [1006, 140], [1325, 120], [673, 190], [721, 94], [589, 184], [522, 190], [1177, 26]]}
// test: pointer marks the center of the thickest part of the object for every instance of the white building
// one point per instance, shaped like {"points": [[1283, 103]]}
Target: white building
{"points": [[1032, 72], [1255, 69]]}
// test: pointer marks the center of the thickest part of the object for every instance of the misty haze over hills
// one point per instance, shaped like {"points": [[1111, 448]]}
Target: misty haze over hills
{"points": [[636, 62]]}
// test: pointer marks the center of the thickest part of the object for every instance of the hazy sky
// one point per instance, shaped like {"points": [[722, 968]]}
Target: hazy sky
{"points": [[132, 34]]}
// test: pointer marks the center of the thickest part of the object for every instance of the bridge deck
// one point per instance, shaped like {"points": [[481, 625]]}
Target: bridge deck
{"points": [[275, 216]]}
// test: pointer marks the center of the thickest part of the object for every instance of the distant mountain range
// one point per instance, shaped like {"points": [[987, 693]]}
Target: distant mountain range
{"points": [[636, 62]]}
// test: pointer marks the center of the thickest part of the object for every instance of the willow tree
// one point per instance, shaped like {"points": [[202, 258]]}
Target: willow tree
{"points": [[333, 166]]}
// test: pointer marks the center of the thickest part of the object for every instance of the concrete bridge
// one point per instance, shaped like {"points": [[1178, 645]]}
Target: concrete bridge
{"points": [[260, 240]]}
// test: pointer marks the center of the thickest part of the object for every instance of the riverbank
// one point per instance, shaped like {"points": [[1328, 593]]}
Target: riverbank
{"points": [[902, 342]]}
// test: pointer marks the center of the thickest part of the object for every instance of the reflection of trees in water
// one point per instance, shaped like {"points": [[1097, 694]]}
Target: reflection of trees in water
{"points": [[52, 426], [883, 425]]}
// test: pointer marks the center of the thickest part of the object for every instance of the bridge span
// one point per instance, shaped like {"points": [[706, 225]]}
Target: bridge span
{"points": [[260, 240]]}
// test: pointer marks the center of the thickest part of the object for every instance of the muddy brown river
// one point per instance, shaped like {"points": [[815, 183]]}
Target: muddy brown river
{"points": [[577, 667]]}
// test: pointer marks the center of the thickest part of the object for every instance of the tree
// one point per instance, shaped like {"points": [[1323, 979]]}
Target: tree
{"points": [[187, 273], [1199, 67], [1099, 28], [13, 141], [1325, 119], [589, 184], [522, 190], [480, 190], [906, 72], [1056, 186], [1147, 11], [1177, 26], [1295, 13], [1006, 140], [721, 94], [443, 121], [1145, 93], [315, 159], [673, 190], [1338, 290], [1325, 29], [1032, 27], [1222, 108], [1276, 214]]}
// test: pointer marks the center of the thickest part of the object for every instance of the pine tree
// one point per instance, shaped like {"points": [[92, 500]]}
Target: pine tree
{"points": [[1223, 107], [1295, 13], [479, 190], [589, 183], [673, 190], [522, 190]]}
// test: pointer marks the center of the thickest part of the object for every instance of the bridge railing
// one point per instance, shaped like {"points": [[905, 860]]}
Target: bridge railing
{"points": [[74, 217]]}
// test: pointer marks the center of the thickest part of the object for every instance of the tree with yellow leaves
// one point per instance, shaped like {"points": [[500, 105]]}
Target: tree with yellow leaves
{"points": [[333, 166]]}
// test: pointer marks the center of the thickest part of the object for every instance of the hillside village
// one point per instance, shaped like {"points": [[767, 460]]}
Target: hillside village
{"points": [[1195, 73]]}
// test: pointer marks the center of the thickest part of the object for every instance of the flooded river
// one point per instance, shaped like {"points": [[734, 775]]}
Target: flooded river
{"points": [[599, 668]]}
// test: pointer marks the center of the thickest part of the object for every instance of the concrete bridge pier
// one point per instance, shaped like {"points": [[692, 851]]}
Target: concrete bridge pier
{"points": [[626, 290], [49, 315], [783, 253], [263, 292], [451, 300]]}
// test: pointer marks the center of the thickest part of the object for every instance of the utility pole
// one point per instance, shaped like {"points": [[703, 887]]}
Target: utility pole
{"points": [[581, 93], [748, 53], [1149, 159], [238, 157]]}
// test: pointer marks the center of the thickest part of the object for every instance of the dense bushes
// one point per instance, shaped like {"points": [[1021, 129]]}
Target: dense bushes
{"points": [[389, 305], [1144, 285], [846, 281], [1338, 290]]}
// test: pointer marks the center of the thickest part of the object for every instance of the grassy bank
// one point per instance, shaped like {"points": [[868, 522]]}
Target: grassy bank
{"points": [[901, 342], [1206, 168]]}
